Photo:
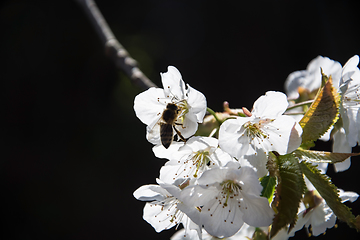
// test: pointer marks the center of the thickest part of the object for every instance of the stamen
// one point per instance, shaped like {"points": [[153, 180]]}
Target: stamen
{"points": [[229, 189]]}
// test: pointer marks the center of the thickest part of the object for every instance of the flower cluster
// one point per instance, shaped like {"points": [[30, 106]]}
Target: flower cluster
{"points": [[224, 171]]}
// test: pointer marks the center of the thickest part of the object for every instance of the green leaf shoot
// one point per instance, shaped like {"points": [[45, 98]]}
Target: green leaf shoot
{"points": [[322, 114]]}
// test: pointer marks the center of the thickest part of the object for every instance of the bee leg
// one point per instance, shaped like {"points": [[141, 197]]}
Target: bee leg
{"points": [[179, 124], [179, 134]]}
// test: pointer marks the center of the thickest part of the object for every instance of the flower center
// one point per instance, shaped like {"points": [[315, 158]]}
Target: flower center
{"points": [[230, 189], [352, 97], [184, 108], [255, 129], [200, 159]]}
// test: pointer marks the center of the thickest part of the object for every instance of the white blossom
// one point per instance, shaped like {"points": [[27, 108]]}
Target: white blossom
{"points": [[228, 197], [320, 216], [310, 78], [265, 130], [193, 158], [150, 105], [162, 212]]}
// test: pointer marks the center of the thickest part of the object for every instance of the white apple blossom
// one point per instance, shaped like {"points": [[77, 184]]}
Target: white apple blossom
{"points": [[310, 78], [226, 198], [193, 158], [150, 105], [350, 96], [314, 211], [318, 214], [163, 210], [265, 130]]}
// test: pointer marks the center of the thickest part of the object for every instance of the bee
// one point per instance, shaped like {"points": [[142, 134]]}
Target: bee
{"points": [[167, 124]]}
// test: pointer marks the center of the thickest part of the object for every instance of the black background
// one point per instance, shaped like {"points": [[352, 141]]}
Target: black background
{"points": [[73, 149]]}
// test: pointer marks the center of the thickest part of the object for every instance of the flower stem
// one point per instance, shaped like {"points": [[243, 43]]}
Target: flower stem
{"points": [[300, 104], [214, 114]]}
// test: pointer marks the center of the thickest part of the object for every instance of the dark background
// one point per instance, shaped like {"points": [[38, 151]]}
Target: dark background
{"points": [[73, 149]]}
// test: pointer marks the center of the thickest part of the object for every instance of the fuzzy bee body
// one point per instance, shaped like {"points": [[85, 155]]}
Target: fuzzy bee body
{"points": [[167, 124], [166, 134]]}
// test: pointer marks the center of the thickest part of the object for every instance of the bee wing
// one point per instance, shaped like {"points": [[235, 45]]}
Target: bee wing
{"points": [[153, 132]]}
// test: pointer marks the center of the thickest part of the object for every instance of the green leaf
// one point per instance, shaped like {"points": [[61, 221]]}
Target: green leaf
{"points": [[268, 183], [288, 192], [322, 114], [329, 193], [323, 157]]}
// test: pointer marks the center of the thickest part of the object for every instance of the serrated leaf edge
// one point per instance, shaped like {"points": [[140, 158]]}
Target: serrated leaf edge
{"points": [[351, 221]]}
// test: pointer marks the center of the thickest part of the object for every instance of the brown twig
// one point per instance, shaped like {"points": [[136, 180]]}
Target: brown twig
{"points": [[113, 48]]}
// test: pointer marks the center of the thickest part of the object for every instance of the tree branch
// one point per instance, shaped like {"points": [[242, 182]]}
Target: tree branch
{"points": [[113, 48]]}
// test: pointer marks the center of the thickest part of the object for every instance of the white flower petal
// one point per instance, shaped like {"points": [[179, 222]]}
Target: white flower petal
{"points": [[295, 138], [351, 122], [221, 221], [257, 211], [197, 195], [322, 217], [153, 134], [230, 134], [150, 192], [147, 107], [193, 214], [189, 126], [329, 67], [294, 81], [197, 101], [223, 158], [173, 189], [214, 175], [301, 221], [173, 84], [248, 175], [349, 70], [158, 216], [172, 170], [280, 132], [350, 105], [348, 196], [270, 105], [200, 143], [257, 158], [341, 145], [161, 152], [311, 77]]}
